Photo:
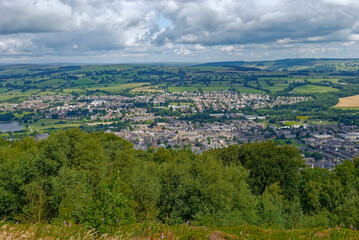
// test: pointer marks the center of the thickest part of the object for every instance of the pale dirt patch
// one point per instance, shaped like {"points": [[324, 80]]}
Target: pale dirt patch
{"points": [[347, 102]]}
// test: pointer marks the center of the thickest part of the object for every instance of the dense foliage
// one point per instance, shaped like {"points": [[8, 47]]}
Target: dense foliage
{"points": [[100, 180]]}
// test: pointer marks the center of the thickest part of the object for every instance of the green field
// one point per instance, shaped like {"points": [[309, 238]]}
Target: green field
{"points": [[316, 80], [46, 124], [277, 87], [47, 93], [292, 123], [17, 93], [283, 79], [313, 89], [247, 90], [117, 88], [75, 90], [289, 141], [215, 88], [183, 89]]}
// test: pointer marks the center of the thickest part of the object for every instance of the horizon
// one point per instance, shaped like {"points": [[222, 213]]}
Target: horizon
{"points": [[168, 63]]}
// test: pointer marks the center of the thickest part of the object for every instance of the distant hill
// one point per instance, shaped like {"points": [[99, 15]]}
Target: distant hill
{"points": [[223, 64], [238, 65], [275, 64]]}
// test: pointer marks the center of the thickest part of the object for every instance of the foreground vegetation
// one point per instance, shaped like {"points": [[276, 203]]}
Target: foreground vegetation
{"points": [[98, 181], [154, 230]]}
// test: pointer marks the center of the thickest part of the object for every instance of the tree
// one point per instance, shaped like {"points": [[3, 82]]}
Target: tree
{"points": [[268, 163]]}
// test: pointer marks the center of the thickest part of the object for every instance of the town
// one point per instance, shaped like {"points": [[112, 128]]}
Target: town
{"points": [[196, 120]]}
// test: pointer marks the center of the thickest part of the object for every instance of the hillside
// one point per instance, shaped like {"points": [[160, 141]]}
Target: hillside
{"points": [[98, 180]]}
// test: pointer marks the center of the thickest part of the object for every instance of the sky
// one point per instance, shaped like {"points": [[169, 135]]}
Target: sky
{"points": [[128, 31]]}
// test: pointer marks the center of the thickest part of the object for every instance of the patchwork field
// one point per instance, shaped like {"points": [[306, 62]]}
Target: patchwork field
{"points": [[348, 102]]}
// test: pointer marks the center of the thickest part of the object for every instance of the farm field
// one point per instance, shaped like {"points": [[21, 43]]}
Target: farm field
{"points": [[292, 123], [316, 80], [17, 93], [74, 90], [276, 87], [307, 89], [47, 124], [148, 89], [348, 102], [117, 88], [215, 88], [182, 89], [283, 79], [24, 80]]}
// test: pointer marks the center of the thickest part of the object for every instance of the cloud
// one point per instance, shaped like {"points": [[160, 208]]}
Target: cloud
{"points": [[209, 22], [21, 16], [176, 29]]}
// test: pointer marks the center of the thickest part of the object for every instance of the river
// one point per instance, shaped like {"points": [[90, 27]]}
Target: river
{"points": [[10, 127]]}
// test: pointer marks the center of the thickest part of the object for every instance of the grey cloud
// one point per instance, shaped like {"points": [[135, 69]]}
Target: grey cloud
{"points": [[243, 22], [19, 16], [199, 28]]}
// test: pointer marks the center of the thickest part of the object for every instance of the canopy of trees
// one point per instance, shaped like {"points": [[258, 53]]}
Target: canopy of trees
{"points": [[100, 180]]}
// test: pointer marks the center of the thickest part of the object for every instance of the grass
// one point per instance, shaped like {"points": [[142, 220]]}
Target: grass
{"points": [[117, 88], [17, 93], [215, 88], [183, 89], [277, 87], [47, 93], [313, 89], [292, 123], [46, 124], [283, 79], [286, 141], [316, 80], [155, 230], [83, 82], [75, 90], [149, 89], [51, 83], [247, 90]]}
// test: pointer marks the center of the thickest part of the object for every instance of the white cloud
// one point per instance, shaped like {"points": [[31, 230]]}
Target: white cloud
{"points": [[354, 37], [315, 39], [284, 40], [227, 48]]}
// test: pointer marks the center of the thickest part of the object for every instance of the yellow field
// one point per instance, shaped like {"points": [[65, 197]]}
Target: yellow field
{"points": [[348, 102]]}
